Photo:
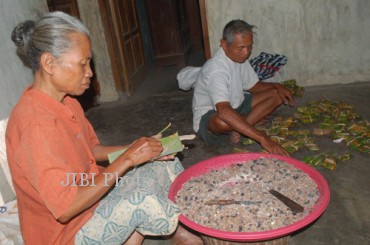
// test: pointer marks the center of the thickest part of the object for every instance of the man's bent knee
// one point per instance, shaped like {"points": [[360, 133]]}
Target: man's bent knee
{"points": [[277, 101], [217, 125]]}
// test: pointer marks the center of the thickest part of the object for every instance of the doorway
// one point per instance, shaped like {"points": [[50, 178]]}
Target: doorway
{"points": [[167, 33], [171, 31]]}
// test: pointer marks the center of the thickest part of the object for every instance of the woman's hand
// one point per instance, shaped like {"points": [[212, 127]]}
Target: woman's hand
{"points": [[163, 158], [143, 150]]}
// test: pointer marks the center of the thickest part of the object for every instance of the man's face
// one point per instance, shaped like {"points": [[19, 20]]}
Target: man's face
{"points": [[240, 50]]}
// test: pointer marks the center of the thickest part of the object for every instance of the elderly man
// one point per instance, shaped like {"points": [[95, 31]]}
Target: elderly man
{"points": [[228, 96]]}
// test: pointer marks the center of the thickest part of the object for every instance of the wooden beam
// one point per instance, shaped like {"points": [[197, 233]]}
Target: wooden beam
{"points": [[203, 16]]}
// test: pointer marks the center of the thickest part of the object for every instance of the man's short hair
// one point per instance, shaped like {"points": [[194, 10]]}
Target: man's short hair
{"points": [[236, 27]]}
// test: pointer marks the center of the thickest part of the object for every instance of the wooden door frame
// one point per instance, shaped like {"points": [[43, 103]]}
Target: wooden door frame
{"points": [[125, 81], [119, 79], [203, 16]]}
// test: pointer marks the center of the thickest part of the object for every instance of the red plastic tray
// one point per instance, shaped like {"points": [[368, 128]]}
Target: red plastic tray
{"points": [[225, 160]]}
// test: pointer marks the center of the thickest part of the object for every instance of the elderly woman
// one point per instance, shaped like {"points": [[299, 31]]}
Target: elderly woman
{"points": [[64, 197]]}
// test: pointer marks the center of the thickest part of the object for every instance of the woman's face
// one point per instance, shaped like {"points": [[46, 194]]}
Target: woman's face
{"points": [[72, 71]]}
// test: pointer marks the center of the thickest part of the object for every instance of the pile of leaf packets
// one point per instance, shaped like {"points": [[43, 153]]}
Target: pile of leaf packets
{"points": [[339, 120], [293, 87], [336, 120]]}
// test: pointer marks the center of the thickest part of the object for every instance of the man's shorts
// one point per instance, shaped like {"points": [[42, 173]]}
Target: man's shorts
{"points": [[211, 138]]}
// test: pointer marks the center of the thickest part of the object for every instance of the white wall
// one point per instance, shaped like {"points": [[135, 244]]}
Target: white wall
{"points": [[326, 41], [14, 76]]}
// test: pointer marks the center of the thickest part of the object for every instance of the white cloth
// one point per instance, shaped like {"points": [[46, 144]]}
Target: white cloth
{"points": [[10, 231], [221, 79], [7, 192], [187, 77]]}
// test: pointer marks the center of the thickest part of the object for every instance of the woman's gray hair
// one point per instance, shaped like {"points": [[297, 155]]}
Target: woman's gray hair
{"points": [[236, 27], [50, 33]]}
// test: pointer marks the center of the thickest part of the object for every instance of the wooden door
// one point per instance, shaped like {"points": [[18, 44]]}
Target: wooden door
{"points": [[124, 43], [195, 24], [169, 31], [66, 6]]}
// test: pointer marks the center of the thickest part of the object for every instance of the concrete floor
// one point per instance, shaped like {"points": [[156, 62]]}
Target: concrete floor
{"points": [[158, 102]]}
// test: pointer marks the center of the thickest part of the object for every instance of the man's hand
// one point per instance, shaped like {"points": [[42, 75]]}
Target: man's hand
{"points": [[273, 147], [285, 95]]}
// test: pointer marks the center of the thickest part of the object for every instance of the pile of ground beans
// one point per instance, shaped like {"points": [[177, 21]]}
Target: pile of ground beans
{"points": [[247, 181]]}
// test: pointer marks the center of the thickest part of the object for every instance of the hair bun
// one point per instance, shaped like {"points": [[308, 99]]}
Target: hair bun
{"points": [[22, 33]]}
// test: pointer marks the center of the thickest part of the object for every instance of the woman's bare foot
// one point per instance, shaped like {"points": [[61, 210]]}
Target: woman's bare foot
{"points": [[184, 237], [234, 137], [134, 239]]}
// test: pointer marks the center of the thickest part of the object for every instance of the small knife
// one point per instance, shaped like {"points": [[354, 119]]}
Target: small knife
{"points": [[292, 205]]}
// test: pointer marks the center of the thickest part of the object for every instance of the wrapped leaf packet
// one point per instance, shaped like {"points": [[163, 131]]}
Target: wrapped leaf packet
{"points": [[293, 87], [171, 144]]}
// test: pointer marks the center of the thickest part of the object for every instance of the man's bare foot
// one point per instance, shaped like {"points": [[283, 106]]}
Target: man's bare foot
{"points": [[234, 137], [262, 122]]}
